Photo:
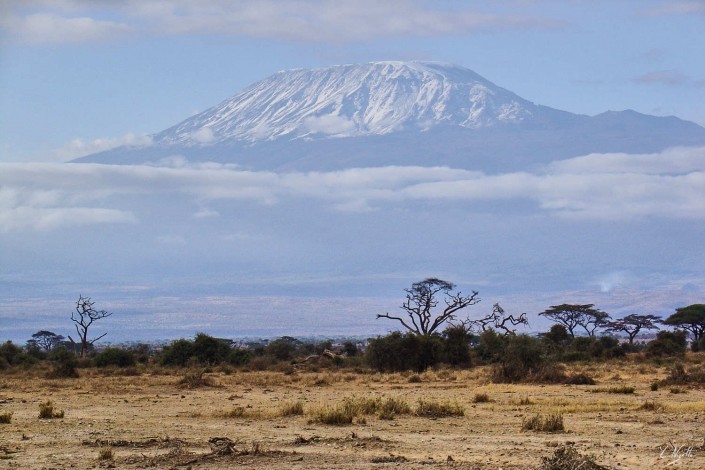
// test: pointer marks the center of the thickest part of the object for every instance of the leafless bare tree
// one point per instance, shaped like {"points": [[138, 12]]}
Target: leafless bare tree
{"points": [[497, 320], [422, 298], [83, 318]]}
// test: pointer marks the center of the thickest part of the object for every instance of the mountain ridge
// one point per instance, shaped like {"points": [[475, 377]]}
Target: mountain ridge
{"points": [[394, 112]]}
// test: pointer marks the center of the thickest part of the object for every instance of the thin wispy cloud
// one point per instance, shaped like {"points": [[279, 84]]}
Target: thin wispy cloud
{"points": [[80, 147], [72, 21], [664, 77], [41, 28], [678, 8], [670, 184]]}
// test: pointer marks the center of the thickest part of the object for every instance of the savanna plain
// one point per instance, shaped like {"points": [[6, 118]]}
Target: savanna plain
{"points": [[330, 417]]}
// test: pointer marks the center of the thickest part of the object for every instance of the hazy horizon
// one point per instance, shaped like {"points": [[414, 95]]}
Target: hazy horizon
{"points": [[174, 247]]}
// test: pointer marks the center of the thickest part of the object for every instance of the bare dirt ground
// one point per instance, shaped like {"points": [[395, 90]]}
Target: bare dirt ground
{"points": [[150, 421]]}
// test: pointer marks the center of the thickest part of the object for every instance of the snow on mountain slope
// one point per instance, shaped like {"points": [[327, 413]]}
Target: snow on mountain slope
{"points": [[355, 100], [396, 113]]}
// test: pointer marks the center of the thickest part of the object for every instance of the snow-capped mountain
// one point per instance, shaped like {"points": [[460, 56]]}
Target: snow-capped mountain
{"points": [[355, 100], [396, 113]]}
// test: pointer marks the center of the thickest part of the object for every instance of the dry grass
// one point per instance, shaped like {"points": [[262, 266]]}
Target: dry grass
{"points": [[650, 406], [525, 400], [196, 379], [623, 389], [435, 409], [6, 417], [105, 453], [234, 412], [264, 408], [294, 408], [46, 411], [543, 423], [567, 458], [334, 415], [481, 398]]}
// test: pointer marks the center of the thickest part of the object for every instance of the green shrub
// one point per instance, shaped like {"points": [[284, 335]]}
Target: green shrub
{"points": [[9, 351], [64, 364], [525, 359], [209, 350], [240, 357], [398, 352], [668, 343], [177, 353], [490, 348], [585, 348], [115, 357], [284, 348], [456, 346], [557, 338]]}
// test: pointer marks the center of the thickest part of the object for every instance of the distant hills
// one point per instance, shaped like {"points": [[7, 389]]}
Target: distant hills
{"points": [[396, 113]]}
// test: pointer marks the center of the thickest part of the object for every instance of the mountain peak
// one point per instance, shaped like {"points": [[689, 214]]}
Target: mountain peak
{"points": [[376, 98]]}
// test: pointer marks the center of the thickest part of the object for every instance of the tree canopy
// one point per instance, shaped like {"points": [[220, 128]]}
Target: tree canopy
{"points": [[574, 315], [632, 324], [691, 318], [423, 314]]}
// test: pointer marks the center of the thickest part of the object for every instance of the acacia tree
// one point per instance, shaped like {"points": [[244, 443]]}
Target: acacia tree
{"points": [[592, 320], [422, 300], [497, 320], [574, 315], [632, 324], [691, 318], [47, 340], [84, 316]]}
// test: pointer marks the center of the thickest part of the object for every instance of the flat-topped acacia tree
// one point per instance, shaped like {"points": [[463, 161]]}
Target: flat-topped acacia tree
{"points": [[84, 316], [691, 318], [423, 314], [574, 315], [632, 324]]}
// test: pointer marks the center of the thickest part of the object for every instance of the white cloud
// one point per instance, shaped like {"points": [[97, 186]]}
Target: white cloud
{"points": [[204, 135], [301, 20], [46, 218], [40, 28], [329, 124], [664, 77], [79, 148], [205, 214], [678, 8], [677, 160], [600, 186]]}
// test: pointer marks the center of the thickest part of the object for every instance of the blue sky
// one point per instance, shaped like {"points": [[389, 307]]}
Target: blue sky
{"points": [[186, 248], [78, 76]]}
